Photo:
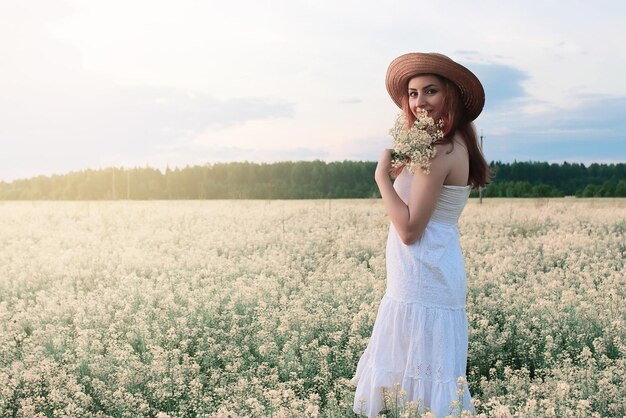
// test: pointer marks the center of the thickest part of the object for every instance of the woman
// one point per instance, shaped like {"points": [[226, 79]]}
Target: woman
{"points": [[419, 341]]}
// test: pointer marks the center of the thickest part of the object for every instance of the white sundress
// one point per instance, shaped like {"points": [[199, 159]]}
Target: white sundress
{"points": [[420, 335]]}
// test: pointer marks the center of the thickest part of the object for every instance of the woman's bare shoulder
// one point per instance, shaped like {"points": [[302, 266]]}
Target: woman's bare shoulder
{"points": [[444, 151], [450, 161]]}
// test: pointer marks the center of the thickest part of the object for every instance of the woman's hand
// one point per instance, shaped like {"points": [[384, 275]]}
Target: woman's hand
{"points": [[384, 165], [396, 171]]}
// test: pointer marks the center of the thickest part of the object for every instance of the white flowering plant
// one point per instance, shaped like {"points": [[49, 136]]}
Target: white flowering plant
{"points": [[221, 307], [414, 147]]}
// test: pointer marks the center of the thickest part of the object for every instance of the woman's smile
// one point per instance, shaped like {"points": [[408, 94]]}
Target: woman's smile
{"points": [[425, 95]]}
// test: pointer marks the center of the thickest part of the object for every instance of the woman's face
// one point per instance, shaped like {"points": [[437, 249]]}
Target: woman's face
{"points": [[425, 92]]}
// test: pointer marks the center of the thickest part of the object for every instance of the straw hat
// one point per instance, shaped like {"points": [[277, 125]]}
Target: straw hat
{"points": [[407, 66]]}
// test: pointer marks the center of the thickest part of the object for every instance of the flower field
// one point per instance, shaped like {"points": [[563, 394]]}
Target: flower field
{"points": [[263, 308]]}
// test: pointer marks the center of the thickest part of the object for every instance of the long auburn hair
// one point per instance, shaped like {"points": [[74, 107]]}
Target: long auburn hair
{"points": [[455, 120]]}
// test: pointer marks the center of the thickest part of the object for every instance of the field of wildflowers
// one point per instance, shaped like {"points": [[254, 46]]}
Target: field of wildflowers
{"points": [[262, 308]]}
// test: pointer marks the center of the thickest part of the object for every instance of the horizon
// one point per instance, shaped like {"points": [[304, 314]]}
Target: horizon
{"points": [[163, 170]]}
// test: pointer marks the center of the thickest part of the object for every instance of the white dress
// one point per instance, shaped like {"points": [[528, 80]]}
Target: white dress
{"points": [[419, 339]]}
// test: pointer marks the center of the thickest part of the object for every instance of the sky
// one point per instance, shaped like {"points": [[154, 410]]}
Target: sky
{"points": [[135, 83]]}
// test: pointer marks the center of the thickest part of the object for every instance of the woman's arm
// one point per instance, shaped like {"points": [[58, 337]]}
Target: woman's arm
{"points": [[410, 219]]}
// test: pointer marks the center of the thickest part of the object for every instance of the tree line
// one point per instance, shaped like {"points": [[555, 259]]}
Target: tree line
{"points": [[303, 180]]}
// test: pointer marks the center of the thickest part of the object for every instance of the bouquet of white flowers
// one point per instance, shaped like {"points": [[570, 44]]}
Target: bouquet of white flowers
{"points": [[414, 147]]}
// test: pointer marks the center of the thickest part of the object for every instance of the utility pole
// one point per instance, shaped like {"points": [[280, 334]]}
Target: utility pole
{"points": [[480, 188]]}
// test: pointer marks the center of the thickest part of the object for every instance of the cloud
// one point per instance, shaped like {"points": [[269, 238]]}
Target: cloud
{"points": [[600, 114], [592, 131], [155, 116], [362, 148], [130, 121], [591, 117], [502, 83], [55, 115]]}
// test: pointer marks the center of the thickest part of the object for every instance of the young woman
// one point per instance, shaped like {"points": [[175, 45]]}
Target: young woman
{"points": [[419, 341]]}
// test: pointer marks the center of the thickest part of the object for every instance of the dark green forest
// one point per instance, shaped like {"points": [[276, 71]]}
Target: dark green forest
{"points": [[303, 180]]}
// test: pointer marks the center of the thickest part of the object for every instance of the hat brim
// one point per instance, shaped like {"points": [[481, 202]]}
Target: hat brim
{"points": [[407, 66]]}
